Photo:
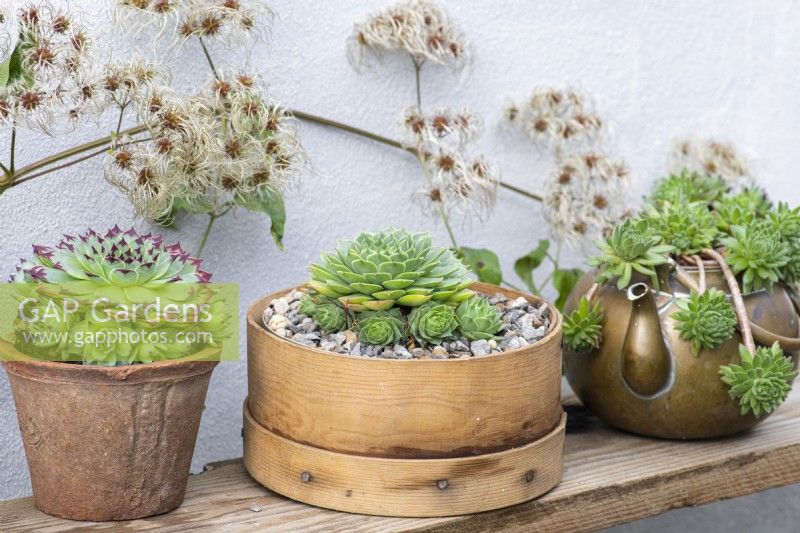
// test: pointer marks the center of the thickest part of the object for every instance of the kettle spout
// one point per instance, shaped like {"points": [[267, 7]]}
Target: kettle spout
{"points": [[645, 357]]}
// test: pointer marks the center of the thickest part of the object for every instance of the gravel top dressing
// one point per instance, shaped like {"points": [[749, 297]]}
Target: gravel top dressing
{"points": [[523, 324]]}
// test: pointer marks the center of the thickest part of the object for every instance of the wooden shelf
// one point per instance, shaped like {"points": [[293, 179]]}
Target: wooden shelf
{"points": [[611, 478]]}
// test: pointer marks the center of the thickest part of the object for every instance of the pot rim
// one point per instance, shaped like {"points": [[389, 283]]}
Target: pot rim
{"points": [[57, 371], [254, 324]]}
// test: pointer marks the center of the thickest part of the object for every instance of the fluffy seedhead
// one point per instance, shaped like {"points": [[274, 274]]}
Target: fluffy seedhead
{"points": [[222, 21], [377, 271], [557, 119], [457, 183], [583, 328], [712, 158], [585, 198], [48, 68], [762, 381], [707, 319], [419, 28], [119, 258], [205, 150]]}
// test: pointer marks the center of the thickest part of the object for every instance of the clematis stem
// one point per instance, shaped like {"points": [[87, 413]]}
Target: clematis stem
{"points": [[738, 300], [308, 117]]}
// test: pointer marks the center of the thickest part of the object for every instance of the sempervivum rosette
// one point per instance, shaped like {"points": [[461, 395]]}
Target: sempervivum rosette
{"points": [[377, 271], [108, 272], [120, 258]]}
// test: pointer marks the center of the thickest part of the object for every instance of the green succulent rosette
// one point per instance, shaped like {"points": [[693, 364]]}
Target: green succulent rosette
{"points": [[632, 247], [380, 328], [757, 252], [762, 381], [688, 187], [689, 227], [393, 267], [433, 322], [478, 319], [707, 319], [583, 328]]}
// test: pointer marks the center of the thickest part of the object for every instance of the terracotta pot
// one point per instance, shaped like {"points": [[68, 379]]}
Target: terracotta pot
{"points": [[645, 379], [386, 436], [109, 443]]}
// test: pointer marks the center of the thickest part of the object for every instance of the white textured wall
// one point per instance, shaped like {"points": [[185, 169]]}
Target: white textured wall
{"points": [[658, 70]]}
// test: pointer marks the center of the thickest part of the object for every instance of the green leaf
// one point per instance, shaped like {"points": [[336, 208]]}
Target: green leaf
{"points": [[270, 202], [525, 265], [483, 263], [11, 69], [197, 206], [564, 280]]}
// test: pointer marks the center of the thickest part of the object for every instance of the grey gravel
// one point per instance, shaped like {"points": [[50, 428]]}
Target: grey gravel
{"points": [[523, 324], [480, 347]]}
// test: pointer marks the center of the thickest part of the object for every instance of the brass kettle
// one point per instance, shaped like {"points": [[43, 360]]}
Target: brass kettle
{"points": [[645, 379]]}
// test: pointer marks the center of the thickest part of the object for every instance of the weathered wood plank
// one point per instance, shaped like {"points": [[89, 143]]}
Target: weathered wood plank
{"points": [[610, 478]]}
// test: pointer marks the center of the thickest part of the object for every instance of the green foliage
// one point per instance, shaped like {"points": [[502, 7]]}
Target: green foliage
{"points": [[327, 313], [705, 319], [758, 253], [377, 271], [12, 68], [762, 381], [740, 209], [688, 187], [564, 280], [484, 263], [688, 228], [786, 221], [380, 327], [123, 259], [528, 263], [265, 200], [632, 247], [583, 328], [478, 319], [433, 322]]}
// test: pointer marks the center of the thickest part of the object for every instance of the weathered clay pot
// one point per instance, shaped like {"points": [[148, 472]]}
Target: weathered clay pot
{"points": [[645, 379], [416, 437], [109, 443]]}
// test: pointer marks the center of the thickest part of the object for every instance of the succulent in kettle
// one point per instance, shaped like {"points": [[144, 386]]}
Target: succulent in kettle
{"points": [[478, 319], [740, 209], [376, 271], [631, 247], [433, 322], [758, 252], [786, 221], [583, 328], [688, 187], [380, 327], [707, 319], [688, 227], [762, 381], [119, 258], [329, 315]]}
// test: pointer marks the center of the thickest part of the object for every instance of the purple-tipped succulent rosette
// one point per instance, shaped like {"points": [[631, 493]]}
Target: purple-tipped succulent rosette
{"points": [[122, 258]]}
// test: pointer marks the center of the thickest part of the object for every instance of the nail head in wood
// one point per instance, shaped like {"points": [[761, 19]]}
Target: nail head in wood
{"points": [[305, 477], [442, 484], [529, 475]]}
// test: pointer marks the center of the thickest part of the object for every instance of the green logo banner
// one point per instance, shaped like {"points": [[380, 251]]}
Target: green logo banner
{"points": [[98, 323]]}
